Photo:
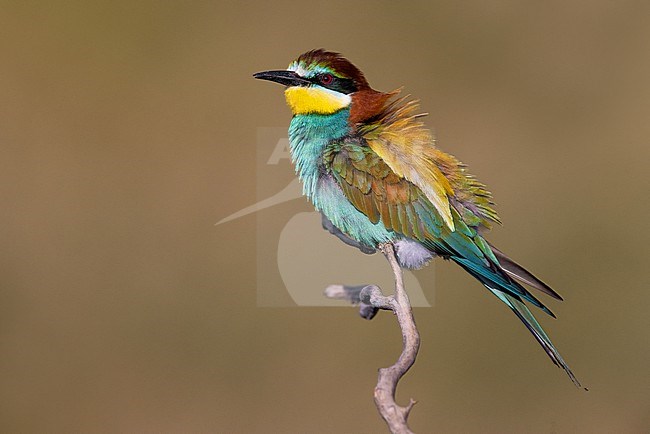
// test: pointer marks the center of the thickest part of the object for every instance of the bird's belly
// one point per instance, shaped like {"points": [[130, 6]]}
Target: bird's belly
{"points": [[329, 199]]}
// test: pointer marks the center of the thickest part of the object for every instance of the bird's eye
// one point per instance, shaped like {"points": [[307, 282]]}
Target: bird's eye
{"points": [[326, 79]]}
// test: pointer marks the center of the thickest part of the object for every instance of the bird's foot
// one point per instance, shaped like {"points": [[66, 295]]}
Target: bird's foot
{"points": [[368, 297]]}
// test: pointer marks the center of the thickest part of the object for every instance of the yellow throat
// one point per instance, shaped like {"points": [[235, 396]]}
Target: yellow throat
{"points": [[304, 100]]}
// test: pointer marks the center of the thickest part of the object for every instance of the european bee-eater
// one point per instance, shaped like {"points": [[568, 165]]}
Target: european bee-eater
{"points": [[373, 171]]}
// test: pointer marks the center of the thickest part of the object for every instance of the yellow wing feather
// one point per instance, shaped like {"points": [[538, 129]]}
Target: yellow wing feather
{"points": [[400, 139]]}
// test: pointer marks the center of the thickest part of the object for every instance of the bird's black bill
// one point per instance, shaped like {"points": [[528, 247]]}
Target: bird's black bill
{"points": [[287, 78]]}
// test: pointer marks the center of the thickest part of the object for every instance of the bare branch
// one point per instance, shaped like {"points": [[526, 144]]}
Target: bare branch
{"points": [[344, 292], [371, 300], [395, 415]]}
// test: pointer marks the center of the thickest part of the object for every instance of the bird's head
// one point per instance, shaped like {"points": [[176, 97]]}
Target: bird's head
{"points": [[318, 81]]}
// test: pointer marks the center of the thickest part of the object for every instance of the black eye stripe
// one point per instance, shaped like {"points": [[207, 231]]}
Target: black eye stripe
{"points": [[338, 84]]}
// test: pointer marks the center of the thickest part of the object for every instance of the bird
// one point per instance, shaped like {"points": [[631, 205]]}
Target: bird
{"points": [[373, 170]]}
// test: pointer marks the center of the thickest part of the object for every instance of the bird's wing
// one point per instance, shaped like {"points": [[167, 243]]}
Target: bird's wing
{"points": [[377, 191], [398, 137]]}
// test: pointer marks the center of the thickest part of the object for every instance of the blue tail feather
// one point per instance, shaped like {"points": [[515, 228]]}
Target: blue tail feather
{"points": [[524, 314], [511, 293], [496, 278]]}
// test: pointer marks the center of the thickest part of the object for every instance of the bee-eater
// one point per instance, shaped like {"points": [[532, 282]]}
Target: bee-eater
{"points": [[373, 171]]}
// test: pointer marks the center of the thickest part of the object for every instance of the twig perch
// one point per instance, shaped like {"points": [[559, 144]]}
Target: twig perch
{"points": [[371, 300]]}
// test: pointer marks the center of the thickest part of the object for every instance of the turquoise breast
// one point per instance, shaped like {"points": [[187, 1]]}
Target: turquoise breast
{"points": [[309, 135]]}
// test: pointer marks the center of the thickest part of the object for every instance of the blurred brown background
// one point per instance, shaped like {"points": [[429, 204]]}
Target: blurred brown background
{"points": [[127, 129]]}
